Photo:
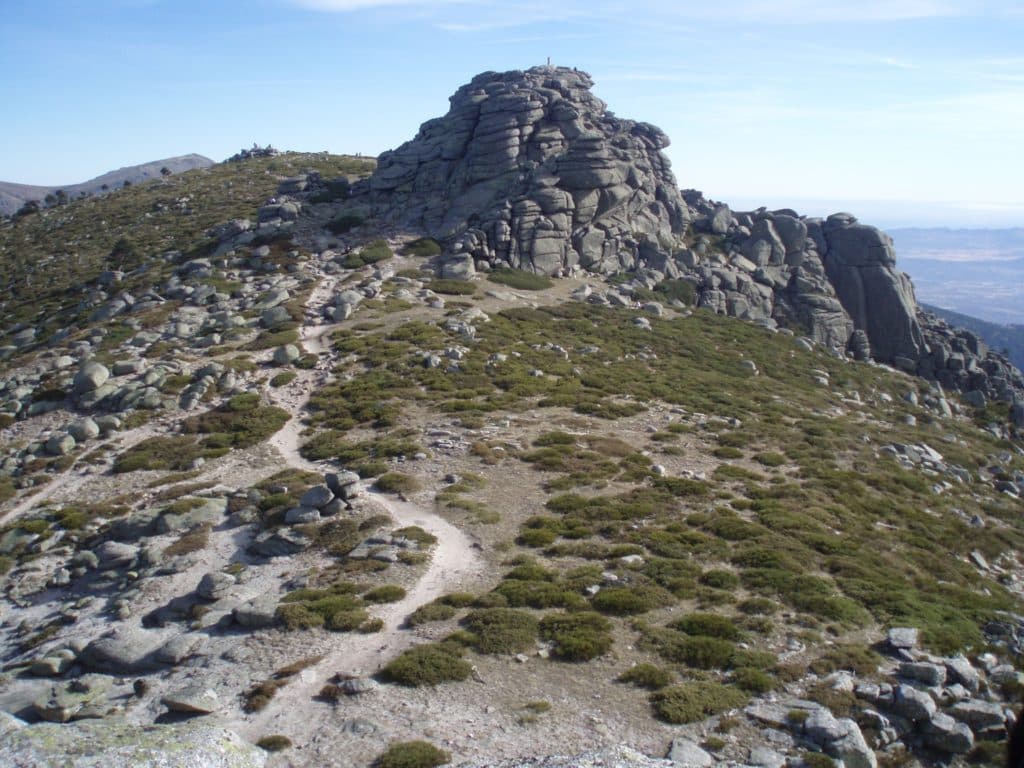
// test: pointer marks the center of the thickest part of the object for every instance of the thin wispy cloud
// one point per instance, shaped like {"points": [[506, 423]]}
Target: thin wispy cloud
{"points": [[783, 12]]}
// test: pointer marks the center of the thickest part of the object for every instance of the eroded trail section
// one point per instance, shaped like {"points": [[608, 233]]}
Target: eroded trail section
{"points": [[454, 563]]}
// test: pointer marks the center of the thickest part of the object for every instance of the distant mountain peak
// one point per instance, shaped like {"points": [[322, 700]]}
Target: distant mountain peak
{"points": [[13, 196]]}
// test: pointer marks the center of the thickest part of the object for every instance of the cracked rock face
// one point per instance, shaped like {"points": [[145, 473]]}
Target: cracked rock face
{"points": [[530, 168]]}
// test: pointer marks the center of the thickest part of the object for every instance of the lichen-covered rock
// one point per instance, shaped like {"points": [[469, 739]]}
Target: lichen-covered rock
{"points": [[122, 745]]}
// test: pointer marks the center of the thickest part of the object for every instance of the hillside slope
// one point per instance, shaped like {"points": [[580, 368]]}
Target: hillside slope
{"points": [[14, 196], [277, 461]]}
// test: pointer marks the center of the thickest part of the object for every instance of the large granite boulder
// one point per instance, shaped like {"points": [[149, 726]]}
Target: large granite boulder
{"points": [[530, 169], [861, 263]]}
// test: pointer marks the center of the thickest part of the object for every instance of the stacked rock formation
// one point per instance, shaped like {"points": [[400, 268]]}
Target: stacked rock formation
{"points": [[528, 169], [837, 279]]}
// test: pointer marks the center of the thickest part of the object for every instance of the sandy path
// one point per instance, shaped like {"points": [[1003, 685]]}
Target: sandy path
{"points": [[454, 561]]}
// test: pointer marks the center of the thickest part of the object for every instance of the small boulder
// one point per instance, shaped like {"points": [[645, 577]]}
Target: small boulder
{"points": [[179, 648], [688, 753], [961, 671], [318, 496], [301, 515], [945, 734], [215, 585], [356, 686], [258, 613], [979, 715], [84, 429], [115, 554], [90, 376], [60, 445], [916, 706], [923, 672], [287, 354], [902, 638], [193, 699]]}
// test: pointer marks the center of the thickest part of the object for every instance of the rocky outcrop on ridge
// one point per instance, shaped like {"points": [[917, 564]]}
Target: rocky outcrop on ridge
{"points": [[528, 169], [836, 278]]}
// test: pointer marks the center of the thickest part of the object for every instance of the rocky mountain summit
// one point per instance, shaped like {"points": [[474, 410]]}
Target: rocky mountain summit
{"points": [[299, 471], [529, 169]]}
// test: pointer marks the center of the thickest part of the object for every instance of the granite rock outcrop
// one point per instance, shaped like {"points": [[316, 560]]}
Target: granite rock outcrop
{"points": [[529, 169]]}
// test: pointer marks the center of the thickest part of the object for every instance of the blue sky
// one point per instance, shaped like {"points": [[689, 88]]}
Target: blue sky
{"points": [[814, 104]]}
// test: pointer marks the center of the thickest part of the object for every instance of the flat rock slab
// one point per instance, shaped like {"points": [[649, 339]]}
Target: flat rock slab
{"points": [[192, 699], [688, 753], [121, 745], [127, 651]]}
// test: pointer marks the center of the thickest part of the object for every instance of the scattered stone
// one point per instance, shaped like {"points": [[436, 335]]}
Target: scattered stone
{"points": [[258, 613], [923, 672], [356, 686], [945, 734], [116, 554], [917, 706], [91, 376], [979, 715], [318, 496], [215, 585], [83, 697], [688, 753], [902, 637], [195, 699], [287, 354]]}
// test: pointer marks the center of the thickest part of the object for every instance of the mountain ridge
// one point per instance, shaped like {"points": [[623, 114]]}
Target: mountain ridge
{"points": [[275, 457], [13, 195]]}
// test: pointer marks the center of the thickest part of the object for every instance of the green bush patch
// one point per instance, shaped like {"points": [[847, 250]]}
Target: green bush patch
{"points": [[517, 278], [502, 630], [690, 702], [428, 664], [577, 636], [412, 754]]}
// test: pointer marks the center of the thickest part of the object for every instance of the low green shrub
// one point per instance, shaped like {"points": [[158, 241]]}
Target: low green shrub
{"points": [[434, 611], [752, 680], [452, 287], [770, 459], [412, 754], [854, 658], [160, 452], [275, 743], [647, 676], [193, 540], [630, 601], [517, 278], [720, 579], [502, 630], [423, 247], [539, 594], [397, 482], [577, 636], [387, 593], [707, 625], [693, 701], [428, 664]]}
